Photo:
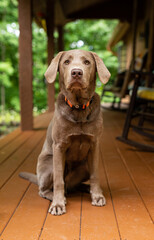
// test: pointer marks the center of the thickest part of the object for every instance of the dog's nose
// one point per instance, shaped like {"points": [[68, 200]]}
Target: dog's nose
{"points": [[76, 73]]}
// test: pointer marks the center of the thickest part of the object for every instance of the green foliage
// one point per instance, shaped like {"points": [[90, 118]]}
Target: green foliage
{"points": [[10, 116], [8, 122], [9, 33], [6, 70]]}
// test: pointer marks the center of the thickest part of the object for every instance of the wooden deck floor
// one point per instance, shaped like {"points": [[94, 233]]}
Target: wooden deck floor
{"points": [[127, 180]]}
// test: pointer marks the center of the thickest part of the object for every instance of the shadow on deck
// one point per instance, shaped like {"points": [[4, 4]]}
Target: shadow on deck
{"points": [[127, 181]]}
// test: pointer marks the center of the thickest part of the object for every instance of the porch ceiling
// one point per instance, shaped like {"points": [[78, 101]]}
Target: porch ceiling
{"points": [[87, 9]]}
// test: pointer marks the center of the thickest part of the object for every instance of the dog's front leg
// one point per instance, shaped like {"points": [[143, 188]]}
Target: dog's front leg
{"points": [[96, 192], [58, 205]]}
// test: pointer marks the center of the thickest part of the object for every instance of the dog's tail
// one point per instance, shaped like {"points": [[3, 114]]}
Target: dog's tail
{"points": [[29, 176]]}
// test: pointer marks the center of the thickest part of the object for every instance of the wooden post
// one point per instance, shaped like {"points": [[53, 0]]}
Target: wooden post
{"points": [[134, 30], [25, 64], [50, 49], [150, 60], [137, 77], [135, 5], [60, 38]]}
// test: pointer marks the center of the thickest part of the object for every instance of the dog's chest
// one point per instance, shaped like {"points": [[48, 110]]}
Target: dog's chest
{"points": [[79, 148]]}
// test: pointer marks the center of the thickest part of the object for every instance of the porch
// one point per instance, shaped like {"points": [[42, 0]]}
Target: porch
{"points": [[127, 181]]}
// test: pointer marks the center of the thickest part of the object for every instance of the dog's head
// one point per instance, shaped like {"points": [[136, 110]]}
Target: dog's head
{"points": [[77, 69]]}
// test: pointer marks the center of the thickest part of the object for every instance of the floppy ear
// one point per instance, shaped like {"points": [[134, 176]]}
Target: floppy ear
{"points": [[103, 72], [52, 70]]}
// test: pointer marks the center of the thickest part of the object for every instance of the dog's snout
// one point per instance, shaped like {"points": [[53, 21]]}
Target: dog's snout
{"points": [[76, 73]]}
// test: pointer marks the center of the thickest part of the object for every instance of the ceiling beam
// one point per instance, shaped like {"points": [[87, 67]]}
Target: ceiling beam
{"points": [[70, 6]]}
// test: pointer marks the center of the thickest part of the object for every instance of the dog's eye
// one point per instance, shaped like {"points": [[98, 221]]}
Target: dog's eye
{"points": [[86, 62], [66, 62]]}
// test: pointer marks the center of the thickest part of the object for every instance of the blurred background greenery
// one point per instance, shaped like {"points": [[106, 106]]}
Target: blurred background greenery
{"points": [[90, 35]]}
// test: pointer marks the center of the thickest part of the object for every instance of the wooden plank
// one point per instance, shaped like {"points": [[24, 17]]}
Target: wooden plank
{"points": [[42, 121], [139, 172], [130, 210], [28, 217], [12, 147], [99, 222], [143, 179], [14, 190], [10, 137], [14, 161], [66, 226], [25, 64], [148, 159], [15, 139]]}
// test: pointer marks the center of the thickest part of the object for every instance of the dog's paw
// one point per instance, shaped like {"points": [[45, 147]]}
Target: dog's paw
{"points": [[57, 209], [98, 201]]}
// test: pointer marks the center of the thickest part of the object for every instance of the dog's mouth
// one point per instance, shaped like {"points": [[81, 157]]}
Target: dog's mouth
{"points": [[76, 84]]}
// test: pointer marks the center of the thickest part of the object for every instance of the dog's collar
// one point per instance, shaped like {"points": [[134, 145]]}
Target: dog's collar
{"points": [[78, 106]]}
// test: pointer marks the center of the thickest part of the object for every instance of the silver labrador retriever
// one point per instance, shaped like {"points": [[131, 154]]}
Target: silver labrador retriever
{"points": [[70, 154]]}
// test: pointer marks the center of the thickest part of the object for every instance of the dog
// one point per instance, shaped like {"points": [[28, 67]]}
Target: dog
{"points": [[70, 153]]}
